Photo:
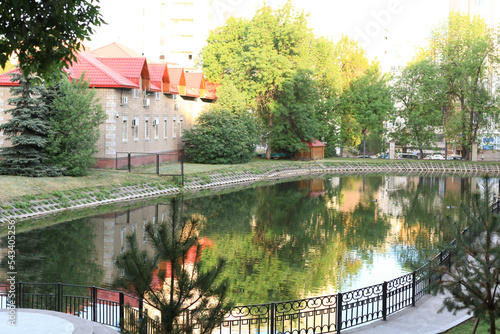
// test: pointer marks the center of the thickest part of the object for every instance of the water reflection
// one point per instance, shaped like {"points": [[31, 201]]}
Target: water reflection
{"points": [[282, 242]]}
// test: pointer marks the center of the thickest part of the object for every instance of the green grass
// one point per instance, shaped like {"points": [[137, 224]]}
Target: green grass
{"points": [[467, 326], [24, 189]]}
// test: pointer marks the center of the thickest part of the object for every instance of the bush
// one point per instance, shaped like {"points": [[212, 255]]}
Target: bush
{"points": [[222, 137]]}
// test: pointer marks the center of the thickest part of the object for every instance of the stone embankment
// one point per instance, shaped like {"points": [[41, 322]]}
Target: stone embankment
{"points": [[61, 202]]}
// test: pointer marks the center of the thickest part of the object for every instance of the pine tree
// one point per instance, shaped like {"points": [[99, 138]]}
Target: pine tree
{"points": [[187, 291], [27, 131], [473, 280]]}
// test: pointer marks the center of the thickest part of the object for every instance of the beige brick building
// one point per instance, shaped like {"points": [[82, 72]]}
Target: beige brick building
{"points": [[148, 106]]}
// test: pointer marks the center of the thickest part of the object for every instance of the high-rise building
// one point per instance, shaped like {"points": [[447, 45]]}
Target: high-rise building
{"points": [[487, 9], [175, 31]]}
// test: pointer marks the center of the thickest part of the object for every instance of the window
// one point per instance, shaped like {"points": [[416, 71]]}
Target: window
{"points": [[180, 126], [136, 93], [124, 129], [135, 128], [173, 127], [146, 128], [165, 127], [157, 96], [123, 234], [156, 126]]}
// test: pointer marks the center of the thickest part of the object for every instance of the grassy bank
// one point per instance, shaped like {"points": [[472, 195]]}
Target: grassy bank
{"points": [[13, 187]]}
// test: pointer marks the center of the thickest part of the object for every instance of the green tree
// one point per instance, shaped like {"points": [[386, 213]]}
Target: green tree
{"points": [[75, 116], [27, 130], [185, 288], [474, 279], [420, 93], [222, 137], [259, 56], [295, 117], [45, 34], [364, 107], [466, 49]]}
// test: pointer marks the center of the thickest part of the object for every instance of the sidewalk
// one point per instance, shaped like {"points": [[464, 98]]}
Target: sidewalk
{"points": [[421, 319]]}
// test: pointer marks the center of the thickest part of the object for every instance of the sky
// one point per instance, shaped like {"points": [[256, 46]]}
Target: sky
{"points": [[376, 24]]}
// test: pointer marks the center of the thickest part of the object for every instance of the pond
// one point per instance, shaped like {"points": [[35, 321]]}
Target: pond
{"points": [[284, 241]]}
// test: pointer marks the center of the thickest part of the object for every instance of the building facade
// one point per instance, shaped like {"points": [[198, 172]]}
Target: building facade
{"points": [[146, 110]]}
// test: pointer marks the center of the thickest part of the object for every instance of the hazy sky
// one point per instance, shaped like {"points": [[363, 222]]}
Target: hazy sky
{"points": [[405, 22]]}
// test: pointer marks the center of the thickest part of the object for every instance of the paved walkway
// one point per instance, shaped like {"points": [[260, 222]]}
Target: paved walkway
{"points": [[29, 321], [421, 319]]}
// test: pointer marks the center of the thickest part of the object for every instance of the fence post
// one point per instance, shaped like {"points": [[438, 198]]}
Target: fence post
{"points": [[272, 320], [59, 297], [94, 303], [129, 162], [384, 300], [122, 312], [413, 287], [339, 312], [157, 164]]}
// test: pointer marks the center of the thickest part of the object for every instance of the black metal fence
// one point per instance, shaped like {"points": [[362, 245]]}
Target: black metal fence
{"points": [[325, 314]]}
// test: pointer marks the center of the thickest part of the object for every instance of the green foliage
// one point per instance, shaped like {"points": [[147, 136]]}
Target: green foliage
{"points": [[295, 119], [186, 286], [364, 106], [222, 137], [466, 50], [27, 130], [420, 91], [75, 116], [474, 279], [45, 35]]}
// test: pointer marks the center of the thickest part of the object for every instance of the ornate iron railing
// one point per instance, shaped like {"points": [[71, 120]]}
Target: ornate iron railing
{"points": [[326, 314]]}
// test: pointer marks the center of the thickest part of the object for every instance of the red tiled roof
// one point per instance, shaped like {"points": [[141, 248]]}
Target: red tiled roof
{"points": [[97, 73], [195, 84], [211, 90], [5, 78], [130, 68], [315, 143], [177, 80], [159, 76]]}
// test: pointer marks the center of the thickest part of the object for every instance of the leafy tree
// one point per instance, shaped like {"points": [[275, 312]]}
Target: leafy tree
{"points": [[27, 130], [259, 56], [222, 137], [185, 288], [420, 93], [364, 106], [75, 116], [466, 49], [474, 279], [45, 34], [295, 117]]}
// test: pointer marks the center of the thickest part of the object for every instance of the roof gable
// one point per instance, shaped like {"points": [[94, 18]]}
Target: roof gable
{"points": [[159, 76], [134, 69], [177, 80], [6, 78], [97, 73], [195, 84], [115, 50]]}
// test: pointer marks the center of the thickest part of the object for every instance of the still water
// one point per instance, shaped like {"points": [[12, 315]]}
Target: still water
{"points": [[283, 242]]}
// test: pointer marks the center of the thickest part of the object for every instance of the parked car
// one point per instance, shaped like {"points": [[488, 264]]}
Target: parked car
{"points": [[364, 156], [427, 157], [454, 157], [406, 156], [437, 156]]}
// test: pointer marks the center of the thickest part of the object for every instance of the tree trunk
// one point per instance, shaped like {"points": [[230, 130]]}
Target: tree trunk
{"points": [[491, 314], [475, 326]]}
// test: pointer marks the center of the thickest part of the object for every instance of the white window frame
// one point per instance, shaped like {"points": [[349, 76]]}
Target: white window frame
{"points": [[181, 119], [146, 128], [124, 129], [174, 135], [156, 127], [137, 93], [135, 130], [165, 127]]}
